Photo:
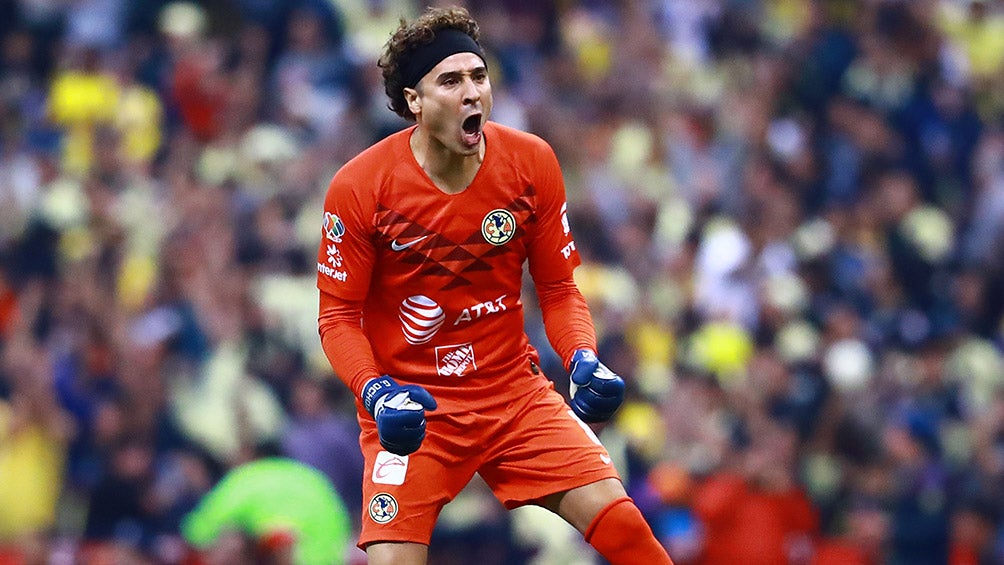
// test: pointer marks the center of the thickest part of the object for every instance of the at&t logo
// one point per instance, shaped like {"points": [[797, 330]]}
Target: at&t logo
{"points": [[420, 319]]}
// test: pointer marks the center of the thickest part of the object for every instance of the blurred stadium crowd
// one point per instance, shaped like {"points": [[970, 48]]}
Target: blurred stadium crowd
{"points": [[791, 215]]}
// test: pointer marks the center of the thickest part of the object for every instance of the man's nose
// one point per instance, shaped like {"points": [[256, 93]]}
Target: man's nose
{"points": [[471, 91]]}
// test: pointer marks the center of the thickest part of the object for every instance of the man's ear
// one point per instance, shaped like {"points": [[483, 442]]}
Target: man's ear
{"points": [[411, 98]]}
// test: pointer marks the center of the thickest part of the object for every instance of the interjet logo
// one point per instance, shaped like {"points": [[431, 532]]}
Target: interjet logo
{"points": [[333, 273], [420, 319]]}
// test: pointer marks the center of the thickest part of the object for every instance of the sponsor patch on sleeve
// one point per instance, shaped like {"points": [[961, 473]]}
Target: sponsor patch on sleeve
{"points": [[331, 268], [333, 227]]}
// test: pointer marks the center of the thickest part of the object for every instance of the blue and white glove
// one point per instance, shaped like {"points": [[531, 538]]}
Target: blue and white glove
{"points": [[596, 391], [399, 411]]}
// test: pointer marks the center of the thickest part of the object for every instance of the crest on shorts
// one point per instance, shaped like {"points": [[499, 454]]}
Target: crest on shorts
{"points": [[383, 508], [333, 228], [499, 226]]}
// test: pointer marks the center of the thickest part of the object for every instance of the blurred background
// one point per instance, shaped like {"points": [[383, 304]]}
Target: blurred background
{"points": [[791, 216]]}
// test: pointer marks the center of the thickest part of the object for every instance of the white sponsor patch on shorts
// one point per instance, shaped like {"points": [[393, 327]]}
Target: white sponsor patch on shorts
{"points": [[390, 469]]}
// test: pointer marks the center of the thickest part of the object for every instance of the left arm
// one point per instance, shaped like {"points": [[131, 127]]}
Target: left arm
{"points": [[552, 259], [566, 316], [595, 390]]}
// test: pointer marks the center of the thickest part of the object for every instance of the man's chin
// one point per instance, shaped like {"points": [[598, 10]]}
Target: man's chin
{"points": [[467, 149]]}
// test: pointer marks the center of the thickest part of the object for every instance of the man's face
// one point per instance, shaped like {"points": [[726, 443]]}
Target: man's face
{"points": [[452, 102]]}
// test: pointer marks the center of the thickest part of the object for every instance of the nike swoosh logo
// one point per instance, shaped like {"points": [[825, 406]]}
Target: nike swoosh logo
{"points": [[605, 459], [395, 246]]}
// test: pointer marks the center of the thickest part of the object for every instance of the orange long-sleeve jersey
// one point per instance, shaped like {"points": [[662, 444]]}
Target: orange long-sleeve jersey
{"points": [[425, 286]]}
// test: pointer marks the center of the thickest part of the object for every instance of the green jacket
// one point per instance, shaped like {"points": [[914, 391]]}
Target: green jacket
{"points": [[271, 495]]}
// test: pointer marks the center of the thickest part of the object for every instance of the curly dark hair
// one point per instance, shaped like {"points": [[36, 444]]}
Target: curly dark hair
{"points": [[422, 31]]}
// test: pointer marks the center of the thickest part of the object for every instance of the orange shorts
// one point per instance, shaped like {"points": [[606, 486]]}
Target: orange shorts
{"points": [[524, 451]]}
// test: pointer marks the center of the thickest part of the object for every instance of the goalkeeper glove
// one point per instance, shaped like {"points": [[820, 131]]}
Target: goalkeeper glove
{"points": [[399, 412], [595, 390]]}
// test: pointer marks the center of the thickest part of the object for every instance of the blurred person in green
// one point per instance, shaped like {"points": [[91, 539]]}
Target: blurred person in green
{"points": [[288, 510]]}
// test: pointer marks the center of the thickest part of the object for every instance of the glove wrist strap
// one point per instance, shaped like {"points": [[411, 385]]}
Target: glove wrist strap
{"points": [[374, 389]]}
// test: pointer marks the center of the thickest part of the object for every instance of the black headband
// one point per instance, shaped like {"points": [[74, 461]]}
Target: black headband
{"points": [[424, 57]]}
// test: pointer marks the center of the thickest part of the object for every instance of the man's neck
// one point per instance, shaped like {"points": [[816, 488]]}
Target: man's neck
{"points": [[451, 172]]}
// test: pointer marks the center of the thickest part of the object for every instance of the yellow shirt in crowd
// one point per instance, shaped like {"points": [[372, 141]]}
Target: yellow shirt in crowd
{"points": [[31, 474]]}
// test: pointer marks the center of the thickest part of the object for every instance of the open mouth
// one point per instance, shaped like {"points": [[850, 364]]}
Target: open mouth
{"points": [[472, 129]]}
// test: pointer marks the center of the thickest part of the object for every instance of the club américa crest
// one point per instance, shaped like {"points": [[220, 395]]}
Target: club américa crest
{"points": [[383, 508], [499, 226]]}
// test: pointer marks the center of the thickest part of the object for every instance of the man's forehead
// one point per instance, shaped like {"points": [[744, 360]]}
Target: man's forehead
{"points": [[458, 63]]}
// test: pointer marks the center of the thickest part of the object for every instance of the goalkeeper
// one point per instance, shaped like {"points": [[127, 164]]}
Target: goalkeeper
{"points": [[424, 239]]}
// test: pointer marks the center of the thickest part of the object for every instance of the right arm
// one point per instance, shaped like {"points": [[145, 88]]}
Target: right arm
{"points": [[399, 411], [345, 262], [345, 345]]}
